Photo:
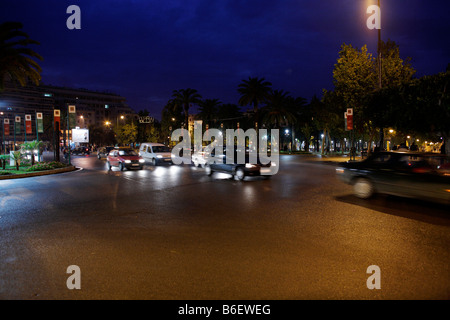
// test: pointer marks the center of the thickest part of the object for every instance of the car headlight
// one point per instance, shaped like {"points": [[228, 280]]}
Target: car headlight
{"points": [[127, 161], [141, 160], [339, 170], [159, 156]]}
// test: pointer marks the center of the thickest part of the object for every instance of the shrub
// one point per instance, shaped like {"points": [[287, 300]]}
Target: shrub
{"points": [[41, 166]]}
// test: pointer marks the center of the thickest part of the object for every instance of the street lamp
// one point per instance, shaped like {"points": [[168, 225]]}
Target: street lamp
{"points": [[121, 118]]}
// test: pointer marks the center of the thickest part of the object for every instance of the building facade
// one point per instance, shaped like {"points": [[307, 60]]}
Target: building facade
{"points": [[92, 108]]}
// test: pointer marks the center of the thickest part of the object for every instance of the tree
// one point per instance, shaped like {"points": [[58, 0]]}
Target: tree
{"points": [[421, 106], [101, 136], [16, 59], [254, 91], [208, 111], [394, 70], [355, 76], [185, 98], [228, 115], [17, 156], [278, 111], [127, 134], [148, 132], [171, 118], [31, 147]]}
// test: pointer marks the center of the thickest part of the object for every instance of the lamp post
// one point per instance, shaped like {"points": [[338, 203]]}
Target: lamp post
{"points": [[121, 118], [3, 133], [379, 77]]}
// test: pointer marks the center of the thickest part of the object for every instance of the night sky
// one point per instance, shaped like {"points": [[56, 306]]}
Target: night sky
{"points": [[145, 49]]}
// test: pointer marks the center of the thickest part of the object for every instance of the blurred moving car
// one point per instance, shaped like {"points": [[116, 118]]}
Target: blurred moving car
{"points": [[104, 151], [124, 158], [81, 150], [199, 159], [155, 153], [423, 176], [234, 166]]}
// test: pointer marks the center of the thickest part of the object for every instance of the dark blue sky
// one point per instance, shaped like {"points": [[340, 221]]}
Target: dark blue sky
{"points": [[145, 49]]}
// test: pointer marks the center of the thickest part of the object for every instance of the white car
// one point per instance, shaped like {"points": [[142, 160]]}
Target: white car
{"points": [[198, 159], [155, 153]]}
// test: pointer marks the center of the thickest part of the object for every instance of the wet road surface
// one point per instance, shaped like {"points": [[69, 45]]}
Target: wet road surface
{"points": [[171, 232]]}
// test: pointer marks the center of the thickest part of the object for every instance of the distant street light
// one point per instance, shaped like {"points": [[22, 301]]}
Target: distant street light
{"points": [[121, 118]]}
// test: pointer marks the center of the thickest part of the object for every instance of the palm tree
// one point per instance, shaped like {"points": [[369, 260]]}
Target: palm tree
{"points": [[228, 115], [208, 110], [31, 147], [253, 92], [186, 97], [16, 61], [279, 109]]}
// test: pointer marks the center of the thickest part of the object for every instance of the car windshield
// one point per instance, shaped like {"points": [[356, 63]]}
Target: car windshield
{"points": [[157, 149], [127, 153]]}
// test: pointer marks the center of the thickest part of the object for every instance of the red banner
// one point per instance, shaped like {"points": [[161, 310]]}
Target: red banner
{"points": [[6, 126], [28, 128], [56, 116], [349, 119]]}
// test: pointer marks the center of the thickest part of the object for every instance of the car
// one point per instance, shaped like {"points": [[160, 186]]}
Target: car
{"points": [[424, 176], [155, 153], [104, 151], [235, 166], [199, 159], [124, 158], [81, 150]]}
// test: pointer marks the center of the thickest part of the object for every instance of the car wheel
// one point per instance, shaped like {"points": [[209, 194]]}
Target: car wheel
{"points": [[208, 170], [121, 166], [109, 165], [363, 188], [240, 174], [99, 157]]}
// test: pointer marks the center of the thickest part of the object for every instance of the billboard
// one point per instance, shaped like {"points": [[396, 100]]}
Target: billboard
{"points": [[80, 135]]}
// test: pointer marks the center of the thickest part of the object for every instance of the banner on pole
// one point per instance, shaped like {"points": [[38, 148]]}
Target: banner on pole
{"points": [[17, 125], [57, 117], [28, 128], [6, 126], [350, 119], [40, 122], [72, 117]]}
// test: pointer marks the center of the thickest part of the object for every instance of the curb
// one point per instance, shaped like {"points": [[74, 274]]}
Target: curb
{"points": [[39, 173]]}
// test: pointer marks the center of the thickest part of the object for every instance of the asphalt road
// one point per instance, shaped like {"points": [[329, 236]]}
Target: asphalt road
{"points": [[171, 232]]}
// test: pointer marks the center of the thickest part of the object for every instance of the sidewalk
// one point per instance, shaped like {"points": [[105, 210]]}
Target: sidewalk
{"points": [[313, 157]]}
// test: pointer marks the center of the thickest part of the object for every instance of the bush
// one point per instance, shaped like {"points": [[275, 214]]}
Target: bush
{"points": [[4, 173], [41, 166]]}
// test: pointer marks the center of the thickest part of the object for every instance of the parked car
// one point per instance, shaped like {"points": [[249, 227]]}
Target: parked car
{"points": [[234, 165], [124, 159], [155, 153], [81, 150], [104, 151], [408, 174]]}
